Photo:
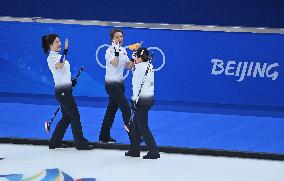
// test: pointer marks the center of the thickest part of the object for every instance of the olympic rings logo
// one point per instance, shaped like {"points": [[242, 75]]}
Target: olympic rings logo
{"points": [[150, 48]]}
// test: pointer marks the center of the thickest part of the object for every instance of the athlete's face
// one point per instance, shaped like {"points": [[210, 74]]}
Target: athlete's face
{"points": [[118, 38], [56, 46]]}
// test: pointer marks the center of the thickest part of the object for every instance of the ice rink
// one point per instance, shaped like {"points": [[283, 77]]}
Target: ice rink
{"points": [[112, 165]]}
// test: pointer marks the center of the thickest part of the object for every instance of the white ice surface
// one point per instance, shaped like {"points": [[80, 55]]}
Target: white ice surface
{"points": [[112, 165]]}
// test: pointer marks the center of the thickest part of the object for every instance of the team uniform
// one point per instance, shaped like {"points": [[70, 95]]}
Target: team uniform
{"points": [[143, 94], [115, 89], [63, 94]]}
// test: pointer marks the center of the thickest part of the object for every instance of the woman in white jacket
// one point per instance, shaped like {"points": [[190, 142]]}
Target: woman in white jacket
{"points": [[142, 101], [116, 61], [60, 69]]}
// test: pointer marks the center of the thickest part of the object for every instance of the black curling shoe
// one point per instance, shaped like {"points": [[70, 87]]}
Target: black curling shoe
{"points": [[110, 140], [151, 156], [52, 146], [85, 147], [132, 153]]}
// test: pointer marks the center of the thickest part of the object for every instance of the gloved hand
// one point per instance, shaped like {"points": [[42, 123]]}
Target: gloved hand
{"points": [[133, 56], [116, 48], [65, 51], [134, 106], [74, 82], [116, 53]]}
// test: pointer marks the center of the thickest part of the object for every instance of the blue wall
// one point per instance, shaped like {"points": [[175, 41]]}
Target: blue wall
{"points": [[192, 70], [253, 13]]}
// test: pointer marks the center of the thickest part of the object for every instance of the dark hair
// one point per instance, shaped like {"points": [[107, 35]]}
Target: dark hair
{"points": [[48, 40], [143, 53], [114, 31]]}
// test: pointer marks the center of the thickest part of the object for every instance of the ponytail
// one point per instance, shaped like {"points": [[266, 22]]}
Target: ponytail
{"points": [[43, 44]]}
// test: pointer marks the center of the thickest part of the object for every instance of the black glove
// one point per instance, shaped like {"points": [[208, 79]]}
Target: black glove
{"points": [[74, 82], [65, 51], [134, 106], [116, 53]]}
